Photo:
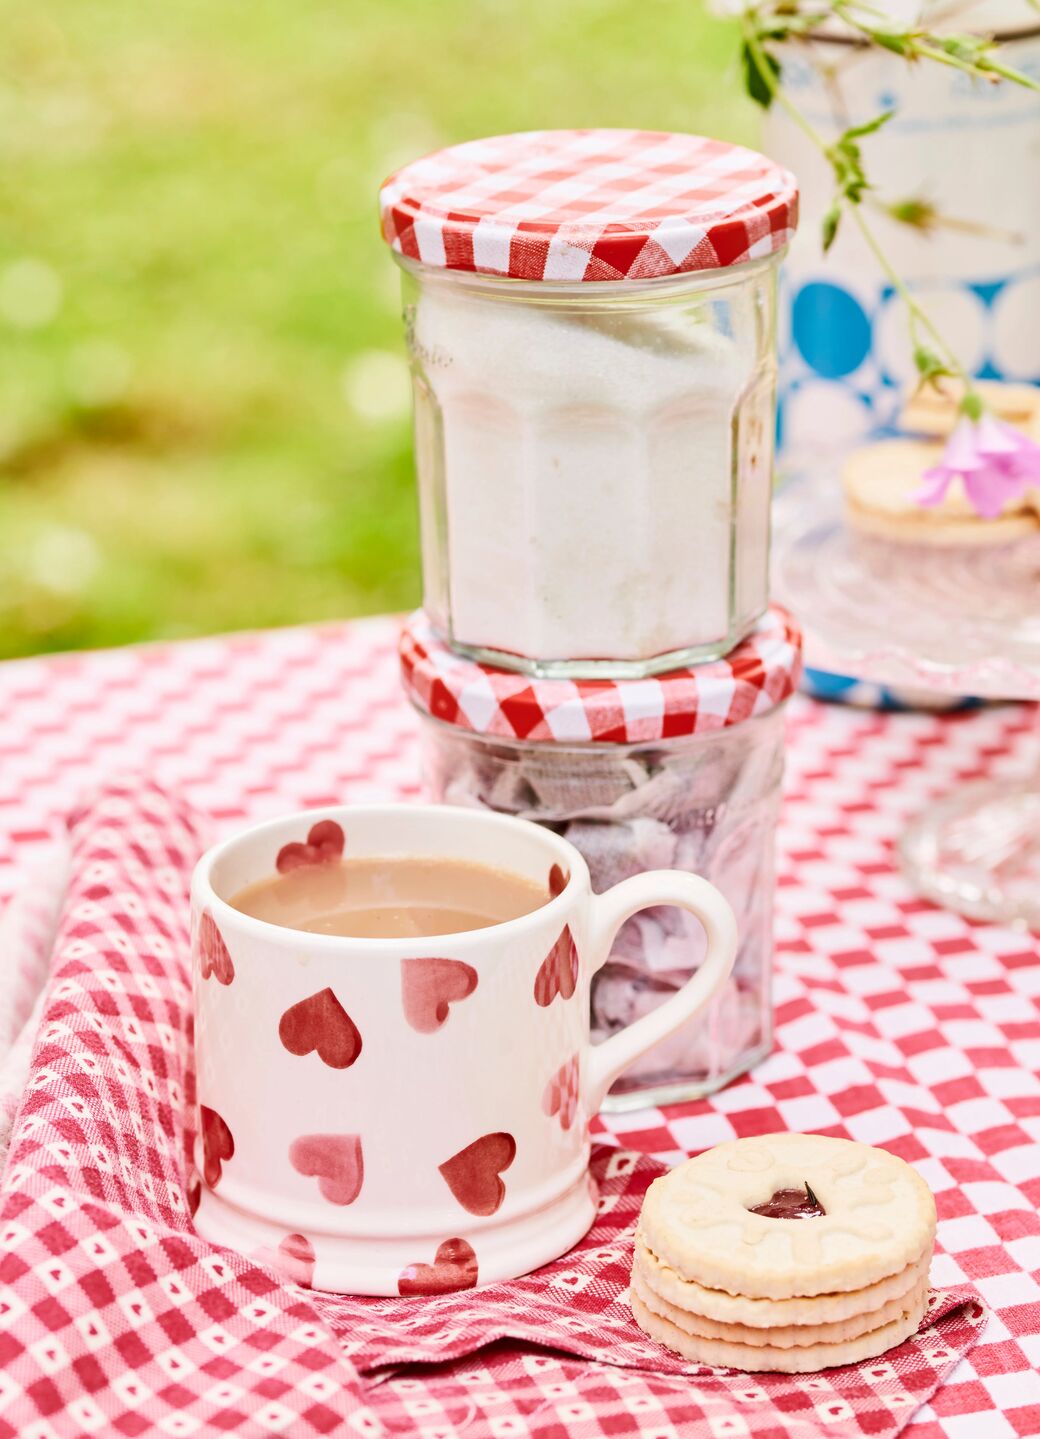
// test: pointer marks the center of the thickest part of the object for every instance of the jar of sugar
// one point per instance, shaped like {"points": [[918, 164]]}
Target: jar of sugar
{"points": [[680, 771], [591, 319]]}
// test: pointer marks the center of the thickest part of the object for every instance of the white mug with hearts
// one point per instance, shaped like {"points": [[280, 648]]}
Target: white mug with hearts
{"points": [[410, 1116]]}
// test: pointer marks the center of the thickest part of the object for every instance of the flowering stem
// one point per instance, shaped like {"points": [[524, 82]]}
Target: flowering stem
{"points": [[918, 318], [916, 313], [769, 78], [968, 54]]}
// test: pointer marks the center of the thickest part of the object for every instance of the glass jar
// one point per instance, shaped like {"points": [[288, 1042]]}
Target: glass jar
{"points": [[591, 322], [689, 778]]}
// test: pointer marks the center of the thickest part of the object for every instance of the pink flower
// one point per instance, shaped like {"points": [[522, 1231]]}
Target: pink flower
{"points": [[994, 462]]}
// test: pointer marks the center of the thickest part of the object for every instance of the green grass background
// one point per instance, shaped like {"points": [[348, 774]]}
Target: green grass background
{"points": [[204, 415]]}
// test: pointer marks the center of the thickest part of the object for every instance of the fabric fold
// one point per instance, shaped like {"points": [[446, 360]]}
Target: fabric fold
{"points": [[27, 928]]}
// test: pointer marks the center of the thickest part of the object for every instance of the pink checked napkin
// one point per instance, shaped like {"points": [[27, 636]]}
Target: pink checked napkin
{"points": [[27, 927], [116, 1318]]}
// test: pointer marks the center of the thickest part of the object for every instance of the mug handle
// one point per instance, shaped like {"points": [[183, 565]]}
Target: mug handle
{"points": [[609, 912]]}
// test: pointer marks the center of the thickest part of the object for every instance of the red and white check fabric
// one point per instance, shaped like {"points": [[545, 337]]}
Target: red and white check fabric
{"points": [[579, 1305], [759, 674], [114, 1316], [27, 927], [576, 205], [896, 1023]]}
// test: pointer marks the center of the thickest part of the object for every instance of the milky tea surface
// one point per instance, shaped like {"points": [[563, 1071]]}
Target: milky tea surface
{"points": [[391, 897]]}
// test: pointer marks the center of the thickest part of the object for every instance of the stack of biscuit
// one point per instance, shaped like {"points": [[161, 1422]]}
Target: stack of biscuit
{"points": [[935, 409], [786, 1252], [881, 481]]}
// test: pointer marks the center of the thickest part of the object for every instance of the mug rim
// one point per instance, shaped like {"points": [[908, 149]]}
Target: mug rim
{"points": [[203, 890]]}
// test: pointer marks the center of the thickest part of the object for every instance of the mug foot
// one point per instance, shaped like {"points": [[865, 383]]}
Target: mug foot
{"points": [[411, 1265]]}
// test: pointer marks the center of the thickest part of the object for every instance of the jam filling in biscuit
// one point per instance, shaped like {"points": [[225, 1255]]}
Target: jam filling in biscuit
{"points": [[791, 1204]]}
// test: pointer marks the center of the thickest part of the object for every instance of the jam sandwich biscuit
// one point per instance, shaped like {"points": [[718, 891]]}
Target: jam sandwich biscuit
{"points": [[880, 482], [788, 1252], [935, 411]]}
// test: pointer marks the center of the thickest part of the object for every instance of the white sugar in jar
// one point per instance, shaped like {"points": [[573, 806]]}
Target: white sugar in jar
{"points": [[591, 322]]}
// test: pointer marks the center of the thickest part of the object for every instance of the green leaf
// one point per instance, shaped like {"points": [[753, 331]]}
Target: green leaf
{"points": [[969, 48], [892, 40], [971, 404], [755, 82], [931, 367], [918, 213], [847, 164], [776, 30], [869, 127], [847, 161], [927, 363], [831, 221]]}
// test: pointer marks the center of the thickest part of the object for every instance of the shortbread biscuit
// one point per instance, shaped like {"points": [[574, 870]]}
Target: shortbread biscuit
{"points": [[765, 1358], [879, 1217], [931, 411], [726, 1308], [941, 534], [880, 482], [788, 1336]]}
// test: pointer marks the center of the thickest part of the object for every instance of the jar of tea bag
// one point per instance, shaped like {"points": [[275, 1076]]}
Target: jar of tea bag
{"points": [[681, 771], [591, 322]]}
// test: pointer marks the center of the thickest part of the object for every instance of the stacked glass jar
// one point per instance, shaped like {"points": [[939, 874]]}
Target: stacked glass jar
{"points": [[591, 322]]}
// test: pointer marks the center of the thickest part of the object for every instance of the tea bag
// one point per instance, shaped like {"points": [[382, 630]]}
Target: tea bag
{"points": [[615, 852], [620, 996], [663, 795], [597, 787], [645, 944]]}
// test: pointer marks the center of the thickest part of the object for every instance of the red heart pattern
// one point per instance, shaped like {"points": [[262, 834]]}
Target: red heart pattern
{"points": [[472, 1175], [428, 986], [558, 880], [320, 1023], [325, 842], [454, 1267], [558, 973], [218, 1144], [561, 1093], [293, 1259], [296, 1259], [335, 1160], [214, 958]]}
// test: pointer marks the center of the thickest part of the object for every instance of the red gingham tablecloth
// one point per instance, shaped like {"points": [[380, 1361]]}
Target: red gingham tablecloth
{"points": [[896, 1023]]}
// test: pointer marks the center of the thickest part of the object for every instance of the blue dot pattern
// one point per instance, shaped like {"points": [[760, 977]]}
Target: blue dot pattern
{"points": [[833, 338], [830, 329]]}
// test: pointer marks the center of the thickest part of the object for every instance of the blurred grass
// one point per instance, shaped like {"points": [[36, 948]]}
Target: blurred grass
{"points": [[203, 401]]}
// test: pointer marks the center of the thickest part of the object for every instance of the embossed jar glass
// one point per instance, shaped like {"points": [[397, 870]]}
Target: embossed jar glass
{"points": [[682, 771], [590, 317]]}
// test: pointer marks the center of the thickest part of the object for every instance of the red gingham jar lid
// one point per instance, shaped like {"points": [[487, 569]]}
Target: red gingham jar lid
{"points": [[752, 679], [569, 205]]}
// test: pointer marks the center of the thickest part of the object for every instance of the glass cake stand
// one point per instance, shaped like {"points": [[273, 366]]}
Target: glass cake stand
{"points": [[953, 621]]}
